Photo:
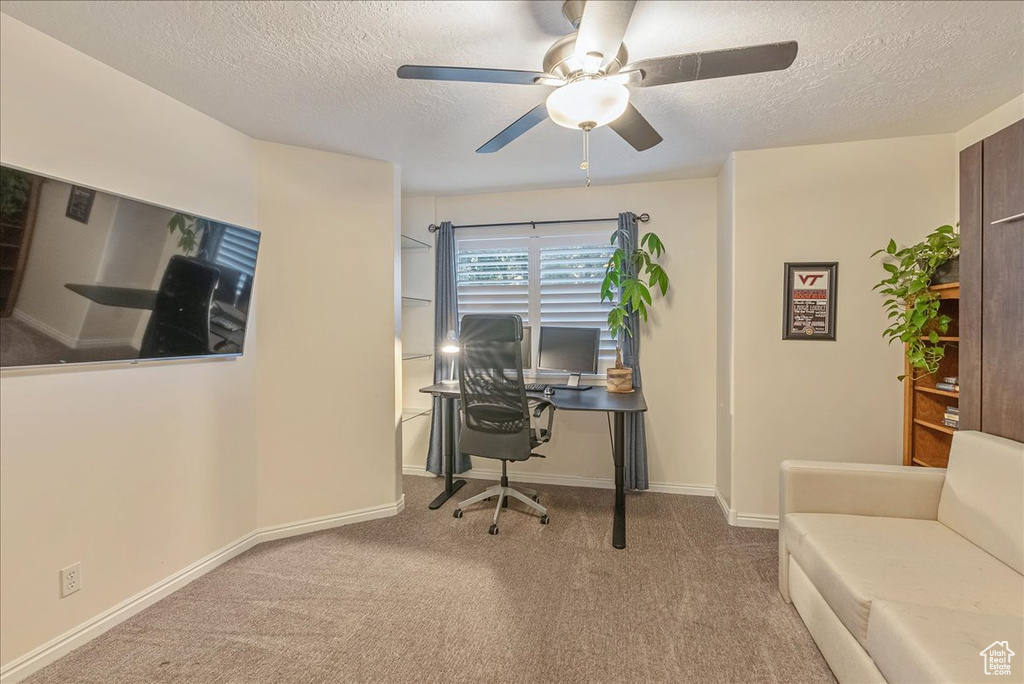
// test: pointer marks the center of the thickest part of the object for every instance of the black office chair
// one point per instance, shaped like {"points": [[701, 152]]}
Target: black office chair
{"points": [[495, 409], [180, 322]]}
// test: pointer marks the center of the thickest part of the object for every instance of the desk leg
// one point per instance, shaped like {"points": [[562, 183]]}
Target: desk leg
{"points": [[448, 450], [619, 523]]}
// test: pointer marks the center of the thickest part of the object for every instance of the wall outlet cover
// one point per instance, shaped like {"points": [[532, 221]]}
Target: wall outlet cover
{"points": [[70, 579]]}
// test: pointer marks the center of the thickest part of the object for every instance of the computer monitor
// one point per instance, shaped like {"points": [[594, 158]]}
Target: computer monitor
{"points": [[527, 348], [573, 350]]}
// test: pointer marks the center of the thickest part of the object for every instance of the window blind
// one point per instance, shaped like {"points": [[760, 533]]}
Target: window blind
{"points": [[554, 279], [570, 290], [494, 279], [237, 250]]}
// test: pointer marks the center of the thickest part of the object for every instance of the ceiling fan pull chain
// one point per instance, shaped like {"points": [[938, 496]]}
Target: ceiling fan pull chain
{"points": [[585, 164]]}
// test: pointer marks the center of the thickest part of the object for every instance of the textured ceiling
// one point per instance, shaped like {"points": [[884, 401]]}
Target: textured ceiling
{"points": [[322, 75]]}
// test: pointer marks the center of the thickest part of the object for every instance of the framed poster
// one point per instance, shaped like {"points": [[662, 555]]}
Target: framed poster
{"points": [[809, 301], [80, 203]]}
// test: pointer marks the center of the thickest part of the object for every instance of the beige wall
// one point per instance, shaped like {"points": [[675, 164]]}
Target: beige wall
{"points": [[136, 472], [327, 424], [723, 330], [65, 251], [678, 349], [836, 401]]}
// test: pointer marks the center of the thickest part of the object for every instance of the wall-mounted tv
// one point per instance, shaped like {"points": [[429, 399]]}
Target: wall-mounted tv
{"points": [[88, 276]]}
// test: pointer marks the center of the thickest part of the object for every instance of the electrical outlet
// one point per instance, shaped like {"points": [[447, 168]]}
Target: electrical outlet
{"points": [[70, 579]]}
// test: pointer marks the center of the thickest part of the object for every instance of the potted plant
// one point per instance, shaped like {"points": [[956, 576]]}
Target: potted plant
{"points": [[635, 274], [912, 308]]}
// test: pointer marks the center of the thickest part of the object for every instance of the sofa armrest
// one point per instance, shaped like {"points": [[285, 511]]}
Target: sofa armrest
{"points": [[859, 489], [853, 489]]}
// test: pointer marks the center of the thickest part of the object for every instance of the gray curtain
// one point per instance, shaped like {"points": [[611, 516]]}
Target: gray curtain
{"points": [[446, 317], [636, 434]]}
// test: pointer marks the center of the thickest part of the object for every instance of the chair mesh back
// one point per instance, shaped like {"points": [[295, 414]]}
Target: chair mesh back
{"points": [[491, 374]]}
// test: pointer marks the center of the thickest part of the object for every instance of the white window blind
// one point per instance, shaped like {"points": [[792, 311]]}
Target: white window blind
{"points": [[553, 279], [570, 290], [492, 276]]}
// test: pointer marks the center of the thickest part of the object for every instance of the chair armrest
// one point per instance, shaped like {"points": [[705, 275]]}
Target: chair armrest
{"points": [[859, 489], [543, 434]]}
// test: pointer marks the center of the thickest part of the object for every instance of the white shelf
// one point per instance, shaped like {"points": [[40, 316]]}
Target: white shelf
{"points": [[410, 244], [409, 413]]}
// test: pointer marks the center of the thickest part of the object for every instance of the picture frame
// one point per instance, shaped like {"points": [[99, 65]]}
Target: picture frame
{"points": [[809, 300], [80, 203]]}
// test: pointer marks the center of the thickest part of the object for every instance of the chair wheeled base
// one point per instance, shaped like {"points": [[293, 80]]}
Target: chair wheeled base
{"points": [[504, 492]]}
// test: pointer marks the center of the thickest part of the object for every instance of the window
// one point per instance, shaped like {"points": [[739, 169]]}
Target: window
{"points": [[549, 280]]}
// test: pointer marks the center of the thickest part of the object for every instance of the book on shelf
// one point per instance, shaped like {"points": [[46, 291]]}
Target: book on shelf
{"points": [[953, 380], [951, 416], [951, 423], [947, 386]]}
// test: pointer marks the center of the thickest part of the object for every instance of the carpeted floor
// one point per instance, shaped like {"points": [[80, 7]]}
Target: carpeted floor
{"points": [[423, 597], [23, 345]]}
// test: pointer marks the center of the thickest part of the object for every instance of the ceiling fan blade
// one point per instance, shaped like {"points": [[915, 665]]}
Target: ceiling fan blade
{"points": [[635, 129], [699, 66], [602, 29], [521, 125], [442, 73]]}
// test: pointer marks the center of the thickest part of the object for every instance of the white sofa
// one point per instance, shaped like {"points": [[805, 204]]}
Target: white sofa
{"points": [[908, 574]]}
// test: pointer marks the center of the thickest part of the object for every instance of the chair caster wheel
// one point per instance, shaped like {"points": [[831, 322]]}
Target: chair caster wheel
{"points": [[493, 529], [536, 499], [544, 519], [457, 513]]}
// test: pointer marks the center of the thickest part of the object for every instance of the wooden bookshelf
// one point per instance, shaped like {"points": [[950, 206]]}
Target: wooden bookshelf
{"points": [[926, 441], [15, 239]]}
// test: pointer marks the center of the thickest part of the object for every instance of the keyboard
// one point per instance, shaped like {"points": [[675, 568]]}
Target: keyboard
{"points": [[535, 387], [225, 323]]}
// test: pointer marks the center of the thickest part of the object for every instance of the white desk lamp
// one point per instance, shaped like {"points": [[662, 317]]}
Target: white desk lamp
{"points": [[450, 346]]}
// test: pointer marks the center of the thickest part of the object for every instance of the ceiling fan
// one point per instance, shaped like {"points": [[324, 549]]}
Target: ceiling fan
{"points": [[590, 71]]}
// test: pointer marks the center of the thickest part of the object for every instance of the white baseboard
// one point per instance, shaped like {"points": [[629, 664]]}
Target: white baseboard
{"points": [[768, 522], [569, 481], [72, 342], [47, 330], [35, 660]]}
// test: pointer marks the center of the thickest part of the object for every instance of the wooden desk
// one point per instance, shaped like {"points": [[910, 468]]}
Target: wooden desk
{"points": [[596, 399]]}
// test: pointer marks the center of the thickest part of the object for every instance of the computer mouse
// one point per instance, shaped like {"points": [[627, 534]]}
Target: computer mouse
{"points": [[548, 391]]}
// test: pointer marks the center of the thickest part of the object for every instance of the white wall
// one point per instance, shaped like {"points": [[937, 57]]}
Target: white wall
{"points": [[134, 471], [836, 401], [327, 424], [677, 351]]}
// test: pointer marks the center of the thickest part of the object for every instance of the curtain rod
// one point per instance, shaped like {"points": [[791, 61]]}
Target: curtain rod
{"points": [[643, 218]]}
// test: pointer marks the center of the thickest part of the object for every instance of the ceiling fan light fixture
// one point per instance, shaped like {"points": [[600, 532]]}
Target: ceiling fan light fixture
{"points": [[587, 100]]}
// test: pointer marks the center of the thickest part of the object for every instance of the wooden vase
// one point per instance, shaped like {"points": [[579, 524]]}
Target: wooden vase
{"points": [[620, 380]]}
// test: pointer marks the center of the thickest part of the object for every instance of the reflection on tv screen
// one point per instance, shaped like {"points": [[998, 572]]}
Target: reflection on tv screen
{"points": [[87, 276]]}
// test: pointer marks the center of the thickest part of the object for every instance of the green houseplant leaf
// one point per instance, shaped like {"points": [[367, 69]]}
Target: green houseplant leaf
{"points": [[913, 309], [635, 275]]}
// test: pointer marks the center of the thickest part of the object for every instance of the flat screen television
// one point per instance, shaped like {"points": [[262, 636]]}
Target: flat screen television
{"points": [[87, 276]]}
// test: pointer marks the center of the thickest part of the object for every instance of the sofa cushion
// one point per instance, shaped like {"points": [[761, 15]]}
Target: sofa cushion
{"points": [[854, 560], [912, 643], [983, 496]]}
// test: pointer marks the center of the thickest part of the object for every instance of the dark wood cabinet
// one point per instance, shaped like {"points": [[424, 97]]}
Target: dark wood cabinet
{"points": [[992, 284]]}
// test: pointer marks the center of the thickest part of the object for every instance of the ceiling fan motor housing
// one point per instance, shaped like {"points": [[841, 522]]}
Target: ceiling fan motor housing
{"points": [[560, 59]]}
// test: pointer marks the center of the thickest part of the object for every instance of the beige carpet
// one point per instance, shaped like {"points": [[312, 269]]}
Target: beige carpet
{"points": [[423, 597]]}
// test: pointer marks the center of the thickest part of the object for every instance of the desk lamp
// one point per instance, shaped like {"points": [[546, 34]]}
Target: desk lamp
{"points": [[450, 346]]}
